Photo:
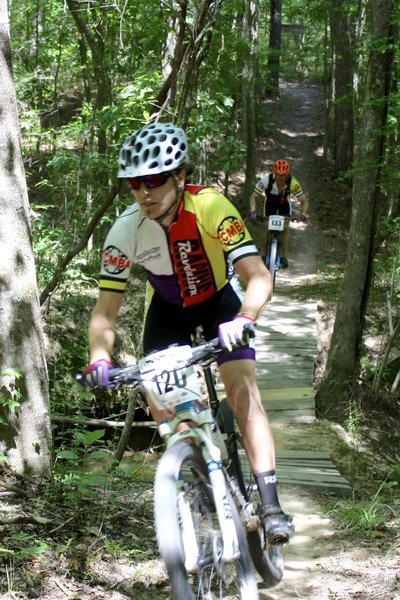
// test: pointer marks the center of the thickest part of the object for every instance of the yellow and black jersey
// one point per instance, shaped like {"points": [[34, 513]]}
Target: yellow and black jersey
{"points": [[267, 185], [187, 264]]}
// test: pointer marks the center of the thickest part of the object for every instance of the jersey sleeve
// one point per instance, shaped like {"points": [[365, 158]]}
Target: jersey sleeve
{"points": [[117, 256], [261, 186], [295, 187], [224, 223]]}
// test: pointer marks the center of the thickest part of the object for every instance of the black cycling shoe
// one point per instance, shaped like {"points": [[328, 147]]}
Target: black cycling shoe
{"points": [[284, 262], [277, 525]]}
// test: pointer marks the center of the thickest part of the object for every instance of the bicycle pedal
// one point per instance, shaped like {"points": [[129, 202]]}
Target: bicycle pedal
{"points": [[250, 522], [248, 518]]}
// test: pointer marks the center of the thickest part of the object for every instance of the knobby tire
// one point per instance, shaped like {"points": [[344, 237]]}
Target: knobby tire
{"points": [[273, 255], [267, 558], [182, 470]]}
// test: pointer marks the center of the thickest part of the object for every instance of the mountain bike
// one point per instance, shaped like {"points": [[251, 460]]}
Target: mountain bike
{"points": [[208, 530], [276, 225]]}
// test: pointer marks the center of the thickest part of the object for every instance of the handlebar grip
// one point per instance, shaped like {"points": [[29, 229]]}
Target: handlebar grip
{"points": [[249, 329], [111, 376]]}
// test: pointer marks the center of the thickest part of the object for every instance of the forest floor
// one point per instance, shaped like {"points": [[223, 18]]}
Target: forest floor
{"points": [[101, 546]]}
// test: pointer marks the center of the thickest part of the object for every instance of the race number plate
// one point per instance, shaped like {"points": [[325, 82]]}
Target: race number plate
{"points": [[276, 223], [166, 379]]}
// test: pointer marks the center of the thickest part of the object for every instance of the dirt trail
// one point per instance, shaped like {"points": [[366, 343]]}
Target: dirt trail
{"points": [[323, 562]]}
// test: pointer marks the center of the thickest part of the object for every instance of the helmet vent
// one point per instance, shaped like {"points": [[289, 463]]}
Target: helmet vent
{"points": [[154, 148]]}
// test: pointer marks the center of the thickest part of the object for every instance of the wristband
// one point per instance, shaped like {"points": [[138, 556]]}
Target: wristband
{"points": [[246, 316]]}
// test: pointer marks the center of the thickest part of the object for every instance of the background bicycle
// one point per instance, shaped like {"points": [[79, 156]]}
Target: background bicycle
{"points": [[276, 225]]}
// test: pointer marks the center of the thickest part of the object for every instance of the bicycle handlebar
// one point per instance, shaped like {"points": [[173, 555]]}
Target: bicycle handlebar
{"points": [[131, 375]]}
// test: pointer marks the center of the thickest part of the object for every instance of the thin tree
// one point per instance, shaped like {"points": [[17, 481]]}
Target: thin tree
{"points": [[250, 38], [24, 419], [342, 85], [343, 359], [274, 54]]}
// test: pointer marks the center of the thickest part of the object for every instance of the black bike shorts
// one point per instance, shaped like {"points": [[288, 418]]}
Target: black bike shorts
{"points": [[272, 207], [167, 323]]}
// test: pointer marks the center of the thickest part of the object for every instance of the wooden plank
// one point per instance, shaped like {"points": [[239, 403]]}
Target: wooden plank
{"points": [[310, 474], [296, 376], [291, 404], [294, 393], [292, 416], [285, 361], [273, 380], [303, 454], [326, 477], [270, 398], [311, 464], [272, 350]]}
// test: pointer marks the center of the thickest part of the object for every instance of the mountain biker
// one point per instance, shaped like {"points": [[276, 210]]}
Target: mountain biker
{"points": [[276, 188], [182, 236]]}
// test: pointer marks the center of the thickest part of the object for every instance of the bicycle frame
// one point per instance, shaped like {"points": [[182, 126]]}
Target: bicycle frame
{"points": [[200, 431], [276, 226], [155, 377]]}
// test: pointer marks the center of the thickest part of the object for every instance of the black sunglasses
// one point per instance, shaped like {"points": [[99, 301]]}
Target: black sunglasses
{"points": [[150, 181]]}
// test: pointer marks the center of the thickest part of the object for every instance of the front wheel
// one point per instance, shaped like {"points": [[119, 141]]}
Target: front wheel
{"points": [[273, 256], [268, 559], [188, 532]]}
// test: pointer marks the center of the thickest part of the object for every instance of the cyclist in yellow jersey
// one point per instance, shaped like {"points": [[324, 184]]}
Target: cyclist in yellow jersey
{"points": [[276, 188], [187, 238]]}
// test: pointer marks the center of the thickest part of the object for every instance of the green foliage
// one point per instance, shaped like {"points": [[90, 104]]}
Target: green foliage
{"points": [[353, 418], [10, 398], [213, 133], [387, 261], [367, 515]]}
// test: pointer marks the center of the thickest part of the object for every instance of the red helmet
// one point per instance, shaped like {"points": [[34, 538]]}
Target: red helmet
{"points": [[281, 167]]}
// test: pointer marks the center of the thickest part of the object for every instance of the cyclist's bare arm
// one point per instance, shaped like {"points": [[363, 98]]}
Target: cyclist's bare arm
{"points": [[253, 201], [102, 325], [305, 203], [258, 283]]}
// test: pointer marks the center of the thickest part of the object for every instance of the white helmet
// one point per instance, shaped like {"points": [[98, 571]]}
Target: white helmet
{"points": [[155, 148]]}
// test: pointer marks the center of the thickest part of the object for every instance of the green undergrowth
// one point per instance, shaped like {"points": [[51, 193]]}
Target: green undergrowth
{"points": [[88, 514]]}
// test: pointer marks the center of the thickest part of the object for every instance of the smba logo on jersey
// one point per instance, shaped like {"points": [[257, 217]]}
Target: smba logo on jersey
{"points": [[114, 261], [231, 231]]}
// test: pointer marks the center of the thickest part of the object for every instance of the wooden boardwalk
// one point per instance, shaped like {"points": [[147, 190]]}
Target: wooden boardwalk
{"points": [[286, 347]]}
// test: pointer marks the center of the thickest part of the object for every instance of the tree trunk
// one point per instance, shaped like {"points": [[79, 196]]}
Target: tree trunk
{"points": [[197, 51], [250, 35], [274, 55], [173, 58], [95, 38], [343, 358], [24, 419], [343, 87]]}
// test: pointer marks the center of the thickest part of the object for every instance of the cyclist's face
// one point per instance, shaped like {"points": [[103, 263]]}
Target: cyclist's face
{"points": [[156, 201], [280, 178]]}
